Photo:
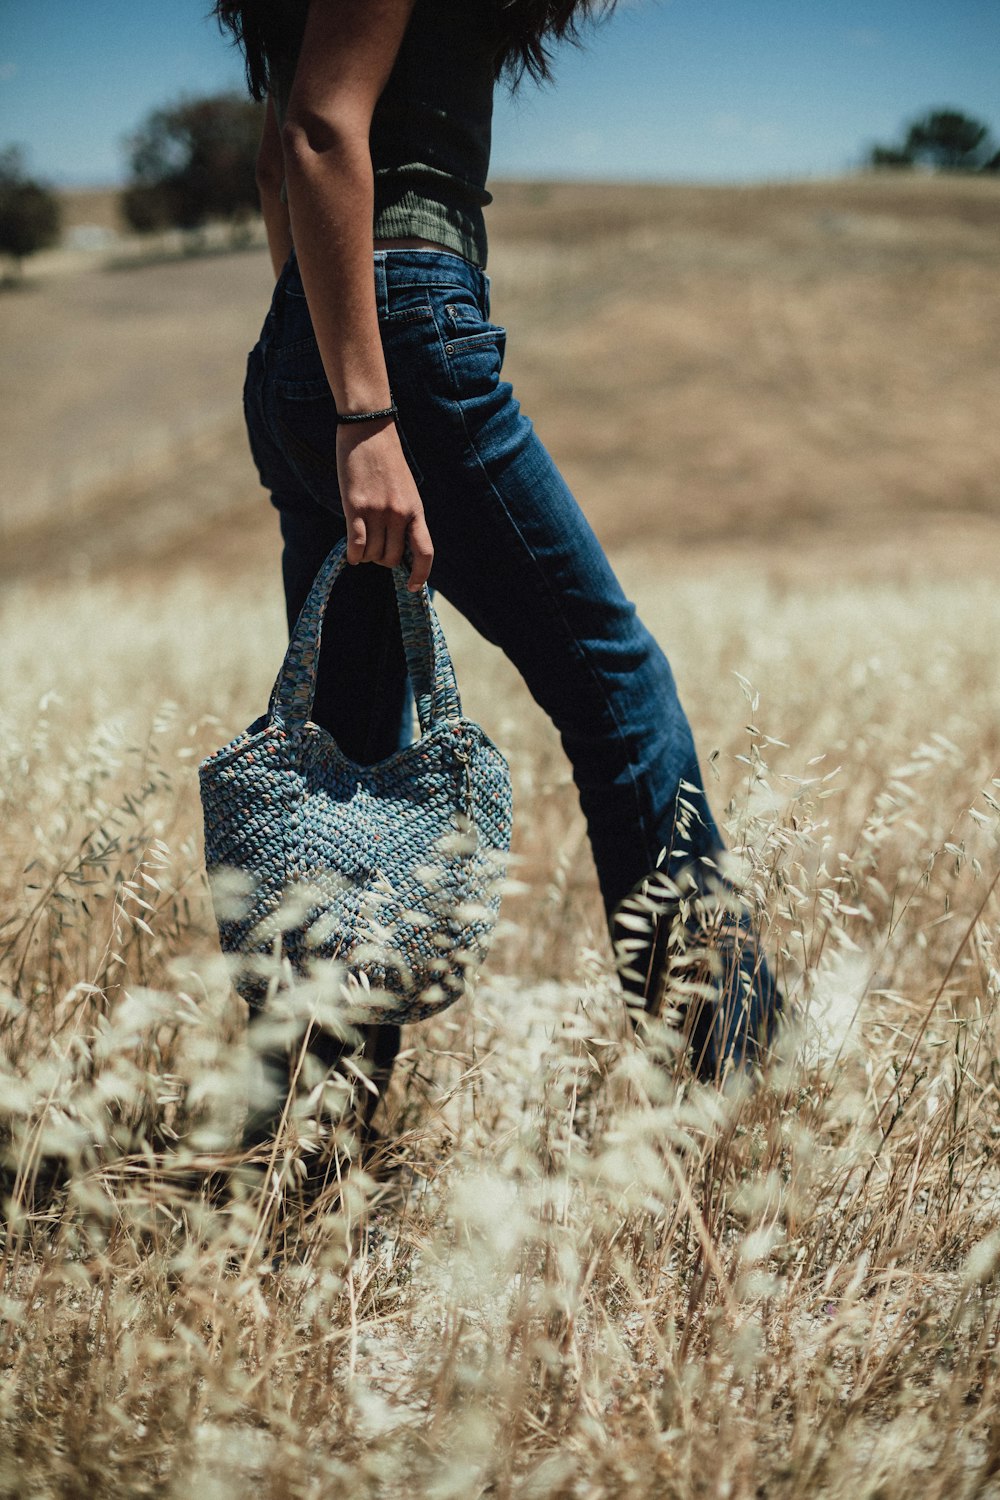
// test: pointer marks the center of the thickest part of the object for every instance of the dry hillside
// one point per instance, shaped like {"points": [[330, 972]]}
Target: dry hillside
{"points": [[717, 364]]}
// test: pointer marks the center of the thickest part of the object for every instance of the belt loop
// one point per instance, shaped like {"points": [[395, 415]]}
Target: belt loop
{"points": [[381, 284], [486, 295]]}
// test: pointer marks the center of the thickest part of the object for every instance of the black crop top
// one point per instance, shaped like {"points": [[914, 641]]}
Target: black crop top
{"points": [[430, 132]]}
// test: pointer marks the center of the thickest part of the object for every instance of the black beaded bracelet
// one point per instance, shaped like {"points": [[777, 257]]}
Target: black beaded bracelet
{"points": [[368, 416]]}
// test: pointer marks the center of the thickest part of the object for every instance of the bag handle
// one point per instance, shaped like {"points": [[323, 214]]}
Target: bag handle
{"points": [[428, 660]]}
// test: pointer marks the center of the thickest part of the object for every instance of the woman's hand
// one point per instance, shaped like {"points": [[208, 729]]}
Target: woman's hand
{"points": [[382, 505]]}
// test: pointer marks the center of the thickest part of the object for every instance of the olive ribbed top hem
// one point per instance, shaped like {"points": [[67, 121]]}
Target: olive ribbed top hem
{"points": [[412, 215]]}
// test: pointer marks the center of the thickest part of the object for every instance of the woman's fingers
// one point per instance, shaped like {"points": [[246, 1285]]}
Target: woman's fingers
{"points": [[376, 539], [413, 529], [423, 553], [357, 536]]}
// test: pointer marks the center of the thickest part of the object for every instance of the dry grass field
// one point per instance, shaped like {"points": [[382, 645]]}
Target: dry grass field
{"points": [[708, 364], [569, 1273]]}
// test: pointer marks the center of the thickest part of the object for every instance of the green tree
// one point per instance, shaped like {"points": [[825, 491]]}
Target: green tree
{"points": [[946, 140], [889, 156], [30, 216], [194, 161], [949, 141]]}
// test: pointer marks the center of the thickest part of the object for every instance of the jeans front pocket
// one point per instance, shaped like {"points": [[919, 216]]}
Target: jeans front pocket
{"points": [[473, 351]]}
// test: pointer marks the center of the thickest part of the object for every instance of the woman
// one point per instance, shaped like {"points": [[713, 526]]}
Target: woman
{"points": [[376, 408]]}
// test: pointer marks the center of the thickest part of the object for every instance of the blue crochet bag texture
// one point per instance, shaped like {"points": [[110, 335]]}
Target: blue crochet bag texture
{"points": [[392, 869]]}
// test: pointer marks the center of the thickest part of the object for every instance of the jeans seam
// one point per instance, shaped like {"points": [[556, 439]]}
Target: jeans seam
{"points": [[554, 600]]}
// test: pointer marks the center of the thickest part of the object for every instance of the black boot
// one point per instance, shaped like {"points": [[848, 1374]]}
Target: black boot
{"points": [[376, 1054], [706, 964]]}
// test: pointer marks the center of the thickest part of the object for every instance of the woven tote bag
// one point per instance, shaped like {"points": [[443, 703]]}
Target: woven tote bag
{"points": [[393, 869]]}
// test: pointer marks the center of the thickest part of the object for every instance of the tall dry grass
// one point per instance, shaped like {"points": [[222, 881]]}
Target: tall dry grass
{"points": [[567, 1274]]}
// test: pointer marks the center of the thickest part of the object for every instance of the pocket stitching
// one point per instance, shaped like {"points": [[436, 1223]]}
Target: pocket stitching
{"points": [[420, 314], [494, 335]]}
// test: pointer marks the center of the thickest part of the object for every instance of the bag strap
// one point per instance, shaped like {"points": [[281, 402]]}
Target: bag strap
{"points": [[428, 660]]}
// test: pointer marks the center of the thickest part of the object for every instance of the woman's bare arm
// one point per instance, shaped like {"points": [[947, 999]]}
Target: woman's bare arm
{"points": [[270, 176], [347, 53]]}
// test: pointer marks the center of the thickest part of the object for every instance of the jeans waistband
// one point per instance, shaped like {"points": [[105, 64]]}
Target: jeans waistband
{"points": [[395, 269]]}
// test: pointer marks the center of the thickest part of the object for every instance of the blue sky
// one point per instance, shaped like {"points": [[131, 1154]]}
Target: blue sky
{"points": [[709, 90]]}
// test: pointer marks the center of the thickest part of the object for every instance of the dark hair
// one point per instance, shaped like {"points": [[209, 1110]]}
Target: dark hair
{"points": [[528, 27], [264, 29]]}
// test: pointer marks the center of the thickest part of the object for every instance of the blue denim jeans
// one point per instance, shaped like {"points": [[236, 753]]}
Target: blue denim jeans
{"points": [[514, 554]]}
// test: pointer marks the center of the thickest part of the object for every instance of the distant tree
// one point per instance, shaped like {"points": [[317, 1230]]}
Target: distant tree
{"points": [[194, 161], [945, 140], [30, 216], [949, 141], [889, 156]]}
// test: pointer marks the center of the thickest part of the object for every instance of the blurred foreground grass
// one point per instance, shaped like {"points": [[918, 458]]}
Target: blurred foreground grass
{"points": [[568, 1275]]}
